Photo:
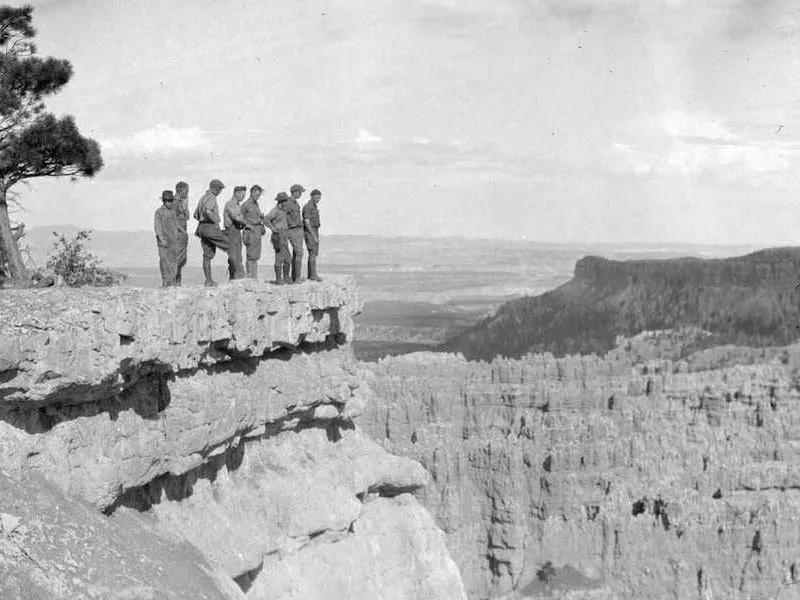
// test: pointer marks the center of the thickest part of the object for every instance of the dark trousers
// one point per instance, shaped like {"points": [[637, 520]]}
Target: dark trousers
{"points": [[235, 267]]}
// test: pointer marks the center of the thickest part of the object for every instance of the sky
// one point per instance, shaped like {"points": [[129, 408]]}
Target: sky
{"points": [[656, 121]]}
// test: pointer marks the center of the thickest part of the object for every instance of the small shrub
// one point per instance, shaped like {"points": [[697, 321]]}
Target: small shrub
{"points": [[546, 573], [78, 267]]}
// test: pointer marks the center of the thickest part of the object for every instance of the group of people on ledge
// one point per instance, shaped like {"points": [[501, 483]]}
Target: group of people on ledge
{"points": [[243, 225]]}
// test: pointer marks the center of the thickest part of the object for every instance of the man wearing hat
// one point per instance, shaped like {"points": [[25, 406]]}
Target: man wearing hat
{"points": [[278, 223], [252, 238], [311, 232], [211, 236], [233, 221], [181, 207], [294, 215], [166, 228]]}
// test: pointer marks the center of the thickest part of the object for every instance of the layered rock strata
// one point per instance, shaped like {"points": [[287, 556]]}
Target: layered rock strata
{"points": [[222, 421], [585, 477]]}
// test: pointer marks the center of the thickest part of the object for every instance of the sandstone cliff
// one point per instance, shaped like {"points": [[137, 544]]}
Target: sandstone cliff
{"points": [[747, 300], [588, 477], [191, 443]]}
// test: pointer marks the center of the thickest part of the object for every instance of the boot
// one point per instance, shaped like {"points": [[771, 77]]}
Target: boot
{"points": [[297, 269], [287, 277], [278, 275], [207, 272], [312, 269]]}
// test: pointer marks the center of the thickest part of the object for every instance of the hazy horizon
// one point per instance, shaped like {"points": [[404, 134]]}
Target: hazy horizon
{"points": [[466, 238]]}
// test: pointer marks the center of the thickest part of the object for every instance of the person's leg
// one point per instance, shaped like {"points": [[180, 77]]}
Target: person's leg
{"points": [[165, 266], [296, 238], [312, 243], [236, 250], [209, 251], [278, 248], [286, 258], [182, 251]]}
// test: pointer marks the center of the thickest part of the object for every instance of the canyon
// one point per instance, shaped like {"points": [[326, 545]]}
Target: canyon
{"points": [[192, 443], [633, 475]]}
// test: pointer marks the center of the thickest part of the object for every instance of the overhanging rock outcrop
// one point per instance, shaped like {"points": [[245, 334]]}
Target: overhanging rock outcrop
{"points": [[224, 417]]}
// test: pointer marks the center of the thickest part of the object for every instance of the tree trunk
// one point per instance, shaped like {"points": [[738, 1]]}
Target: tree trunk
{"points": [[8, 244]]}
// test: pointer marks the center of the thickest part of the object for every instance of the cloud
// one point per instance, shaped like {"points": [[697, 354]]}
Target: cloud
{"points": [[682, 124], [364, 137], [159, 141], [691, 144]]}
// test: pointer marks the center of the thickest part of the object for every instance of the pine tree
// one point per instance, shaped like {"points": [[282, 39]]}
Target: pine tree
{"points": [[33, 142]]}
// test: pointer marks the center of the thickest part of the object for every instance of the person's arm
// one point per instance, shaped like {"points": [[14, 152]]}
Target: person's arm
{"points": [[161, 239], [183, 209], [269, 219]]}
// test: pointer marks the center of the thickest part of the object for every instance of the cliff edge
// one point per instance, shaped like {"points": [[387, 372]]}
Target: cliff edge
{"points": [[747, 300], [193, 443]]}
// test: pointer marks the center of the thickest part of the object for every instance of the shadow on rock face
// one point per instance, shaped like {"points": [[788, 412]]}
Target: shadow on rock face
{"points": [[148, 398], [178, 487], [554, 581]]}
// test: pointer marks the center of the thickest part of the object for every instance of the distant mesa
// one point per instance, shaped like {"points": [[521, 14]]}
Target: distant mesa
{"points": [[746, 300]]}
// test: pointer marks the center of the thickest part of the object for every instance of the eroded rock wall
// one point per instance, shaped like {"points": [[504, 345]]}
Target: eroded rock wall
{"points": [[224, 420], [601, 478]]}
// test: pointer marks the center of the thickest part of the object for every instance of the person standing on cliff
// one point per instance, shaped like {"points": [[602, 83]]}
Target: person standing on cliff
{"points": [[294, 215], [311, 232], [167, 237], [233, 220], [254, 218], [278, 223], [211, 236], [182, 212]]}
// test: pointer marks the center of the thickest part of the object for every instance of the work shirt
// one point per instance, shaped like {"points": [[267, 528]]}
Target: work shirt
{"points": [[311, 213], [232, 214], [166, 226], [207, 210], [277, 219], [182, 213], [251, 213], [292, 209]]}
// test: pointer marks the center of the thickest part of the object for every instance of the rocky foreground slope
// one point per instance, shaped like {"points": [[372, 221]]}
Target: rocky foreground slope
{"points": [[748, 300], [199, 444], [587, 477]]}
